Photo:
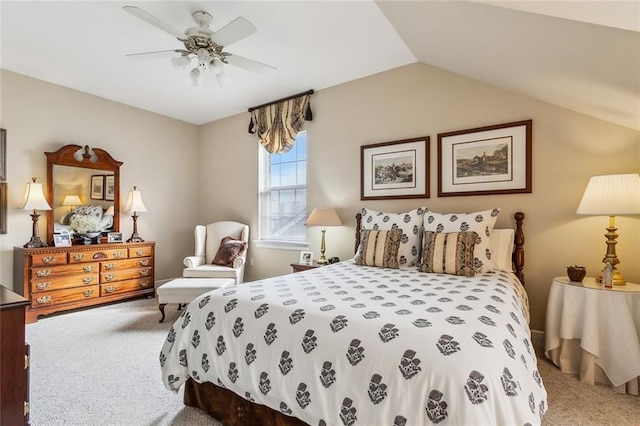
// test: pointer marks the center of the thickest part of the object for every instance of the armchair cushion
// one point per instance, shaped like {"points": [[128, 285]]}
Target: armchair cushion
{"points": [[229, 250]]}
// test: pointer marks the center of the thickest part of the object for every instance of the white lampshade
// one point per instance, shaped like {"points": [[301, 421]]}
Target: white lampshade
{"points": [[611, 195], [71, 200], [134, 202], [323, 217], [34, 197]]}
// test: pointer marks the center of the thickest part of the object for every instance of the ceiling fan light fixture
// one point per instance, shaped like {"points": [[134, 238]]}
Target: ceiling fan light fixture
{"points": [[180, 62], [194, 75], [215, 66]]}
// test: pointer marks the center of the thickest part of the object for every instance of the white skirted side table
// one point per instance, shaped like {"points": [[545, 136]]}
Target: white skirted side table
{"points": [[595, 332]]}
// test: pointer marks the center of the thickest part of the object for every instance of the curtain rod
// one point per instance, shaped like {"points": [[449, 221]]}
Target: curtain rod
{"points": [[308, 92]]}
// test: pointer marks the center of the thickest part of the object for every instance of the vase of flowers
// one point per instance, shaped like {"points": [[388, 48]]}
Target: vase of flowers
{"points": [[88, 227]]}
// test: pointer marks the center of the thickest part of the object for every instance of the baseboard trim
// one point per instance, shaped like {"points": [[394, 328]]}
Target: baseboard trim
{"points": [[537, 339]]}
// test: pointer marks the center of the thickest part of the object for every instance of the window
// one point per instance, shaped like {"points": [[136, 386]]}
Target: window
{"points": [[283, 194]]}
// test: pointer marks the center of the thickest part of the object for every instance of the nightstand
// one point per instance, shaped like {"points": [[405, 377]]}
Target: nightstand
{"points": [[592, 331], [299, 267]]}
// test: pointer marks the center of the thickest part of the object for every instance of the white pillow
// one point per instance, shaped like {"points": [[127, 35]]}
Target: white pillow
{"points": [[481, 222], [502, 249], [411, 225]]}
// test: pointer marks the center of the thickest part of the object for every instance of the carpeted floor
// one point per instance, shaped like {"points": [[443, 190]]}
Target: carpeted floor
{"points": [[100, 367]]}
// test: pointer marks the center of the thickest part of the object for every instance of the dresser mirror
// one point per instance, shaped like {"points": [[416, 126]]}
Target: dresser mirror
{"points": [[82, 180]]}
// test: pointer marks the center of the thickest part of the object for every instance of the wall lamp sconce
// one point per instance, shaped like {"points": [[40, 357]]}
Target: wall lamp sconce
{"points": [[612, 195], [323, 217], [135, 205], [34, 200]]}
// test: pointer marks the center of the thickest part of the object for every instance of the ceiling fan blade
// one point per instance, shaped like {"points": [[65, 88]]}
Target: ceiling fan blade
{"points": [[155, 54], [249, 65], [234, 31], [147, 17]]}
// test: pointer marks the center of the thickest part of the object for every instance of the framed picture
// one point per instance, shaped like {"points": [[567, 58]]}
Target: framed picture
{"points": [[109, 187], [62, 240], [3, 207], [306, 257], [3, 154], [486, 160], [97, 187], [398, 169], [114, 237]]}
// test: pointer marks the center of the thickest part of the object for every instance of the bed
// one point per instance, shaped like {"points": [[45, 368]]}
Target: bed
{"points": [[352, 344]]}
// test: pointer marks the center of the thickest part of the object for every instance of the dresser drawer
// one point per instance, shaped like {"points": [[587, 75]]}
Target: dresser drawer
{"points": [[57, 297], [56, 271], [97, 254], [67, 281], [48, 259], [128, 274], [126, 286], [113, 265], [144, 251]]}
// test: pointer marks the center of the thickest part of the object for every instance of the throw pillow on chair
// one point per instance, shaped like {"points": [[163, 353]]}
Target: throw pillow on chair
{"points": [[229, 250]]}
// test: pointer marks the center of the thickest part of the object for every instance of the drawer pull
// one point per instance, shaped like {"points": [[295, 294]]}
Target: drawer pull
{"points": [[43, 286], [49, 259], [78, 257], [109, 266], [144, 262], [26, 362], [25, 409], [43, 299], [109, 277], [44, 273], [87, 293], [87, 280], [144, 272], [110, 289], [139, 252], [88, 268], [118, 254], [144, 284]]}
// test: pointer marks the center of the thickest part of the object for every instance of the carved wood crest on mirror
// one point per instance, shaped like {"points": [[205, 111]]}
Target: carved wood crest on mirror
{"points": [[82, 181]]}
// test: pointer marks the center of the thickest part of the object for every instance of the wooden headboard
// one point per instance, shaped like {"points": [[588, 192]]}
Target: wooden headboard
{"points": [[518, 243]]}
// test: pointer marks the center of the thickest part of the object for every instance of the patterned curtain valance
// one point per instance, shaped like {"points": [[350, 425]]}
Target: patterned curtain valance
{"points": [[278, 124]]}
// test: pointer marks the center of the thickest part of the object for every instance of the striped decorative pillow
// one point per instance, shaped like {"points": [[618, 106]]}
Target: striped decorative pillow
{"points": [[379, 248], [449, 253]]}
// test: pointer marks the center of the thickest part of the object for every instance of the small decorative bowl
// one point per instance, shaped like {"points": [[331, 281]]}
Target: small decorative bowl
{"points": [[576, 273]]}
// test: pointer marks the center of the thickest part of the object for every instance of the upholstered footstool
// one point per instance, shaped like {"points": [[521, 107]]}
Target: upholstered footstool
{"points": [[184, 290]]}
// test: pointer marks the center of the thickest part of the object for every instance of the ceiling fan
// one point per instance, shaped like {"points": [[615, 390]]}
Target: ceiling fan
{"points": [[203, 48]]}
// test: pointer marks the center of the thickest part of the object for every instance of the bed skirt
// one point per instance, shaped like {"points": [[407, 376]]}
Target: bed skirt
{"points": [[231, 409], [572, 359]]}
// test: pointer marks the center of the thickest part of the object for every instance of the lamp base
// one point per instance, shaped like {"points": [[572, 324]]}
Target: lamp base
{"points": [[322, 261], [35, 242], [135, 238]]}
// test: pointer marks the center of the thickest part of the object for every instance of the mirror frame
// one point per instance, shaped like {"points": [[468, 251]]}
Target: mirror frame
{"points": [[65, 156]]}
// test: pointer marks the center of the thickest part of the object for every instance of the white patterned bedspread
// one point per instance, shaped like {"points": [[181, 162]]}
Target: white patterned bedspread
{"points": [[356, 345]]}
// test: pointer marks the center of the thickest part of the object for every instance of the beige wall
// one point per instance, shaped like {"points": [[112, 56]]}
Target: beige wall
{"points": [[419, 100], [158, 153]]}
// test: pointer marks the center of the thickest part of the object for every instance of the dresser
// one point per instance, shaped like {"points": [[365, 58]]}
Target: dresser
{"points": [[56, 279], [14, 360]]}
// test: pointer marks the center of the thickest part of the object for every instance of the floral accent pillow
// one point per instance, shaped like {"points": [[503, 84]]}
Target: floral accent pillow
{"points": [[379, 248], [449, 253], [411, 225], [230, 249], [480, 222]]}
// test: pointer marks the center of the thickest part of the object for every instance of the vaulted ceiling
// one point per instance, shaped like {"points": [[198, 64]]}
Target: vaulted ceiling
{"points": [[582, 55]]}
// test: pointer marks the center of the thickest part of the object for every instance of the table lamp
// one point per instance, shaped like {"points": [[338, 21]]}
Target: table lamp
{"points": [[34, 200], [71, 201], [323, 217], [135, 205], [612, 195]]}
